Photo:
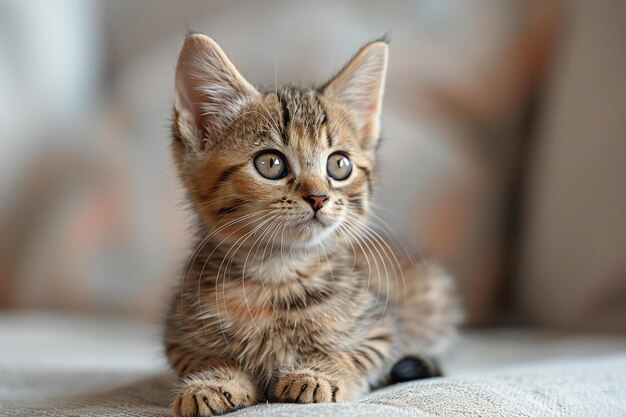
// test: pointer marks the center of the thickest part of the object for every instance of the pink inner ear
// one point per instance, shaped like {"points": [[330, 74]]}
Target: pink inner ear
{"points": [[188, 104]]}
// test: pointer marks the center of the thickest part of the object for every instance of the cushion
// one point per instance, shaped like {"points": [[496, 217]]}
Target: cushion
{"points": [[65, 366], [576, 388]]}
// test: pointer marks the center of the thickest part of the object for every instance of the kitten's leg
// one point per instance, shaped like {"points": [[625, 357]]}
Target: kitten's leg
{"points": [[337, 376], [213, 392], [209, 387], [422, 298], [427, 315]]}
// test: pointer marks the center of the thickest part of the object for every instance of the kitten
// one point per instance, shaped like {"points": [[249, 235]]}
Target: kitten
{"points": [[289, 296]]}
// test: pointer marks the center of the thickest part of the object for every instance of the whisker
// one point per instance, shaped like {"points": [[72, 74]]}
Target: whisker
{"points": [[364, 252], [273, 121], [265, 233], [257, 328], [224, 277], [359, 225], [389, 232], [387, 250], [236, 248], [247, 217], [200, 247]]}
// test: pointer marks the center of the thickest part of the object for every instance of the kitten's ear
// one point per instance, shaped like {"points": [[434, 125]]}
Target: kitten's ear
{"points": [[209, 91], [359, 87]]}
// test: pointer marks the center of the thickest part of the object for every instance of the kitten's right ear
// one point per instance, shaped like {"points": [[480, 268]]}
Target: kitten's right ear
{"points": [[210, 91], [359, 87]]}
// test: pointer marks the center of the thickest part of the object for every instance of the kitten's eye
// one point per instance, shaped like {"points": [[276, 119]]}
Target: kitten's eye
{"points": [[339, 166], [271, 165]]}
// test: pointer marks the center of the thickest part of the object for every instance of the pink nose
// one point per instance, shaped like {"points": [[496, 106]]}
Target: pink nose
{"points": [[316, 201]]}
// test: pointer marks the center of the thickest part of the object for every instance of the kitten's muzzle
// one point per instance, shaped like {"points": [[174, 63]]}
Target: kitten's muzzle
{"points": [[316, 201]]}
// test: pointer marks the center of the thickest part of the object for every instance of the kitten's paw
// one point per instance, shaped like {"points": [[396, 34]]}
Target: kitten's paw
{"points": [[308, 386], [211, 397]]}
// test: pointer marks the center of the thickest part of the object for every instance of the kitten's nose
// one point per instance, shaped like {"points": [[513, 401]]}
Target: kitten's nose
{"points": [[316, 200]]}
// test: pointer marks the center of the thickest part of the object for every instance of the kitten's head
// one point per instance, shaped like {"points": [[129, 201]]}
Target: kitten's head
{"points": [[294, 164]]}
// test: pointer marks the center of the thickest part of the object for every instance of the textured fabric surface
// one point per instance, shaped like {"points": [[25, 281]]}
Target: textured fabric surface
{"points": [[592, 388], [53, 365]]}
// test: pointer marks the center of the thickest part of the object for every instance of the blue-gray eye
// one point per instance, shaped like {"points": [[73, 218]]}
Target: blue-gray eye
{"points": [[339, 166], [271, 165]]}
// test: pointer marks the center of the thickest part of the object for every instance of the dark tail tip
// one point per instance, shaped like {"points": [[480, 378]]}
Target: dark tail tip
{"points": [[411, 368]]}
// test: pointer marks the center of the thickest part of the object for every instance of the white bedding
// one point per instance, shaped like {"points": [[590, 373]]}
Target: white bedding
{"points": [[52, 365]]}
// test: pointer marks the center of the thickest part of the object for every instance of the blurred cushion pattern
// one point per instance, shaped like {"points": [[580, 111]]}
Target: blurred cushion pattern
{"points": [[573, 269], [95, 208]]}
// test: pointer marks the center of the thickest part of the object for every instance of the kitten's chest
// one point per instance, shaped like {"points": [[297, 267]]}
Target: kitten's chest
{"points": [[279, 322]]}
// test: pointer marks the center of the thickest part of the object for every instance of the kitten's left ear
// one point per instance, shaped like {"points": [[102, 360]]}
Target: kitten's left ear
{"points": [[210, 91], [359, 87]]}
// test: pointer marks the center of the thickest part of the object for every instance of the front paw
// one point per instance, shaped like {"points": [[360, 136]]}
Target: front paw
{"points": [[211, 397], [308, 386]]}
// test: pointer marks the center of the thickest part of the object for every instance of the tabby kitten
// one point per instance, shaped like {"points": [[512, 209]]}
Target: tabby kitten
{"points": [[289, 296]]}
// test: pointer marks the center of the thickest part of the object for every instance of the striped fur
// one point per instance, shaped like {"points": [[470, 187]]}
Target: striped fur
{"points": [[271, 304]]}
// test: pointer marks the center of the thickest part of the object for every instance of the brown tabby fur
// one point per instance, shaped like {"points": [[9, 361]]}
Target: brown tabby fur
{"points": [[273, 305]]}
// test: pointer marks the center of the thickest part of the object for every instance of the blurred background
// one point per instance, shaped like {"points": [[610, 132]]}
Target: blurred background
{"points": [[504, 153]]}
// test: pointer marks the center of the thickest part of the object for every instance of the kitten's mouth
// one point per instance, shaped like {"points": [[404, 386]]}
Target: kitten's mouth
{"points": [[314, 220]]}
